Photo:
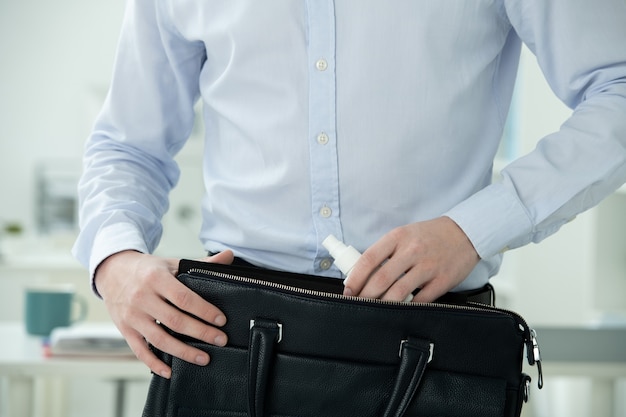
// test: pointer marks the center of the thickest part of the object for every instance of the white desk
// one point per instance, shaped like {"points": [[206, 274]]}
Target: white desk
{"points": [[33, 380], [591, 352], [600, 355]]}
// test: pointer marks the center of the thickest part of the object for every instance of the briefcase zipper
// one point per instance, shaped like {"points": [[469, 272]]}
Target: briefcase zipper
{"points": [[530, 336]]}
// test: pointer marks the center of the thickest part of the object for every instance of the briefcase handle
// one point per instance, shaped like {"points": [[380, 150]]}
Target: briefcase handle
{"points": [[415, 354]]}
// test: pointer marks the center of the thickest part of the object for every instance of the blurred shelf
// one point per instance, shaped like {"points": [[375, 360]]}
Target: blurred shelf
{"points": [[48, 262]]}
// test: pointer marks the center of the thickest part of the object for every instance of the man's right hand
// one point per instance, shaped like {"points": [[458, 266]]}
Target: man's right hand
{"points": [[141, 290]]}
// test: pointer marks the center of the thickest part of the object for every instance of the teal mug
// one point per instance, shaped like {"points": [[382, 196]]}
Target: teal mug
{"points": [[47, 307]]}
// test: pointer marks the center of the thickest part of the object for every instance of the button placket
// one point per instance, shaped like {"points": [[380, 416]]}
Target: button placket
{"points": [[322, 125]]}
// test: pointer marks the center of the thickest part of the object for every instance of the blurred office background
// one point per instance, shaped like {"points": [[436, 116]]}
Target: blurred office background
{"points": [[56, 65]]}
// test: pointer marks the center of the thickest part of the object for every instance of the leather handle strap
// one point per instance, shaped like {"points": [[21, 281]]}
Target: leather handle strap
{"points": [[264, 334], [415, 354]]}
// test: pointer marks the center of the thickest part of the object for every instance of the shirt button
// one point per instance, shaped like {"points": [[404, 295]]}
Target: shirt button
{"points": [[326, 212], [325, 264], [322, 138], [321, 65]]}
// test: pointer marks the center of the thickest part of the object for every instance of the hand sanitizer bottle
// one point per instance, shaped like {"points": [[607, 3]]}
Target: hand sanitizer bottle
{"points": [[346, 257]]}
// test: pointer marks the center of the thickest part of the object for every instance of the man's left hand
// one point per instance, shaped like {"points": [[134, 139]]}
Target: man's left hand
{"points": [[433, 255]]}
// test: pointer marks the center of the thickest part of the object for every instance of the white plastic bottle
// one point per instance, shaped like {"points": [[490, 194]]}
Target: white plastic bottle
{"points": [[346, 257]]}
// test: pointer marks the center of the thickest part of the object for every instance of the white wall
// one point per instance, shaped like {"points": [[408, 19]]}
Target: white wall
{"points": [[56, 59], [56, 55]]}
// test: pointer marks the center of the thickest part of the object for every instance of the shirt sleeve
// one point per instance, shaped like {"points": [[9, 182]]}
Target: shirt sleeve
{"points": [[129, 165], [579, 46]]}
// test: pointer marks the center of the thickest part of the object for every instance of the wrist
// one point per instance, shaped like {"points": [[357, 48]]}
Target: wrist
{"points": [[106, 268]]}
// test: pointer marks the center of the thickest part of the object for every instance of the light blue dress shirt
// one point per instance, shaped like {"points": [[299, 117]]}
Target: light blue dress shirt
{"points": [[352, 118]]}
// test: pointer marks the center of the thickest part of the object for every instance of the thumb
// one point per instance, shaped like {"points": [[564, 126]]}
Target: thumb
{"points": [[226, 257]]}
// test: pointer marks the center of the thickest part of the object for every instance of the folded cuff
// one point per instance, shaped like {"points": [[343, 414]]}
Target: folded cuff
{"points": [[494, 220], [111, 240]]}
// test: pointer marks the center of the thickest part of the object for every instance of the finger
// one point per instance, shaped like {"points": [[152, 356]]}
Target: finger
{"points": [[383, 279], [401, 290], [162, 340], [416, 276], [226, 258], [188, 301], [430, 292], [141, 349], [182, 323], [368, 263]]}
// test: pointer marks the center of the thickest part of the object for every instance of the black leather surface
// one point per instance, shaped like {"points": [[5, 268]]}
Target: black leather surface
{"points": [[340, 357]]}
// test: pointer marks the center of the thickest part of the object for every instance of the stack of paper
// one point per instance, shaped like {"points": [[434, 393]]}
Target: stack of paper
{"points": [[88, 340]]}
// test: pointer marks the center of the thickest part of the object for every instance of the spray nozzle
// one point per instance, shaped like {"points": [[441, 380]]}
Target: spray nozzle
{"points": [[345, 256]]}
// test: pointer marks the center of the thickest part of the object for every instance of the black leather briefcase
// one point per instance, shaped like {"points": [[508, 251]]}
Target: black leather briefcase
{"points": [[298, 348]]}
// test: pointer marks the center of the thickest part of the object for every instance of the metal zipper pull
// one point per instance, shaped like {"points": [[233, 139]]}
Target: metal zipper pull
{"points": [[534, 356], [527, 389]]}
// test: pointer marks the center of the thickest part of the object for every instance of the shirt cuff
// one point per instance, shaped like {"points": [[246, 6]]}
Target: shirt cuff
{"points": [[110, 240], [494, 220]]}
